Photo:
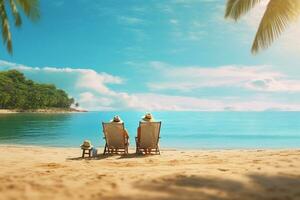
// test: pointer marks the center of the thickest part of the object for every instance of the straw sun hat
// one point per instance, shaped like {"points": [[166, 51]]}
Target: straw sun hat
{"points": [[148, 117], [86, 144], [117, 119]]}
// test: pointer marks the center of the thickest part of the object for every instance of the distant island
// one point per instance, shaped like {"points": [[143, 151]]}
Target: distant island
{"points": [[19, 94]]}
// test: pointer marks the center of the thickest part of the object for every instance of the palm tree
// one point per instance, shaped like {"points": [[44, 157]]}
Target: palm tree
{"points": [[278, 15], [30, 9]]}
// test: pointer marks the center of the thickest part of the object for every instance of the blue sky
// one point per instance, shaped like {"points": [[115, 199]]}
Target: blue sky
{"points": [[156, 55]]}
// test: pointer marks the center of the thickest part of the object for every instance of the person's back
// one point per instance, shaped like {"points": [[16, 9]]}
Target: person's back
{"points": [[117, 120], [148, 134], [116, 135]]}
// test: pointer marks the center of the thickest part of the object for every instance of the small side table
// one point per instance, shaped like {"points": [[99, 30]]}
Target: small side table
{"points": [[87, 152]]}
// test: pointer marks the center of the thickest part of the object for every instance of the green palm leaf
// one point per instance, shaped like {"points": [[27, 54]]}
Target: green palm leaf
{"points": [[15, 13], [6, 35], [237, 8], [278, 15], [31, 10]]}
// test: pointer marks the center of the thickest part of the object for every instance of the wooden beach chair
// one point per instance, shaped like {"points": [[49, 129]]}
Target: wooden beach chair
{"points": [[149, 139], [116, 142]]}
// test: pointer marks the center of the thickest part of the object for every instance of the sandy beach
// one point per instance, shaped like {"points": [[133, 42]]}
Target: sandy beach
{"points": [[59, 173], [6, 111]]}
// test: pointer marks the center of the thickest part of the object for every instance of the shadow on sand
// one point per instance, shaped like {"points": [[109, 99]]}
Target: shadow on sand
{"points": [[119, 156], [98, 157], [212, 188]]}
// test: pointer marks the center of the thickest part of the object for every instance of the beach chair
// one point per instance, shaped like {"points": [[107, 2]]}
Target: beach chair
{"points": [[116, 142], [150, 132]]}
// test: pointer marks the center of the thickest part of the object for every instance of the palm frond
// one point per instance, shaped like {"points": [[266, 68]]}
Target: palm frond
{"points": [[15, 13], [6, 35], [278, 15], [30, 8], [237, 8]]}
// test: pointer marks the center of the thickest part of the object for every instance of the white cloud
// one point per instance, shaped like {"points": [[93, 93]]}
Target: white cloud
{"points": [[273, 85], [152, 101], [254, 105], [85, 78], [93, 80], [259, 78], [94, 102], [193, 31], [174, 21], [160, 102], [91, 89]]}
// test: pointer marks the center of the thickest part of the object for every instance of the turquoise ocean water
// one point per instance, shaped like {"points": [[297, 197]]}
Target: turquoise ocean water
{"points": [[193, 130]]}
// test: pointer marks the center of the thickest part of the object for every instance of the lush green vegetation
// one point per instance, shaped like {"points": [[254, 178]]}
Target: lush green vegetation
{"points": [[17, 92]]}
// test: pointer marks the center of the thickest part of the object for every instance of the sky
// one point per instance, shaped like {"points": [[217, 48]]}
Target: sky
{"points": [[157, 55]]}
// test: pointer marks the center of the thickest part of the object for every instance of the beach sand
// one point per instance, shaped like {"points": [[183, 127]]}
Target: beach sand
{"points": [[6, 111], [59, 173]]}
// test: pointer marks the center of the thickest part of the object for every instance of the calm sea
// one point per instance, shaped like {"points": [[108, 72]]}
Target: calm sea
{"points": [[200, 130]]}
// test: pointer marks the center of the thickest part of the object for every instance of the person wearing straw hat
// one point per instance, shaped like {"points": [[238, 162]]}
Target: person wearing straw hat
{"points": [[117, 119], [146, 118]]}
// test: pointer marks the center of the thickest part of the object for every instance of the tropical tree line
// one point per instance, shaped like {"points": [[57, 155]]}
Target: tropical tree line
{"points": [[17, 92]]}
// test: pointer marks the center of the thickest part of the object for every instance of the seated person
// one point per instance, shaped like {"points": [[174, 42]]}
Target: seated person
{"points": [[117, 119], [147, 118]]}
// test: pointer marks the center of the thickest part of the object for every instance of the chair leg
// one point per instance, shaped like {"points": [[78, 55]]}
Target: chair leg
{"points": [[137, 149], [126, 149], [105, 148]]}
